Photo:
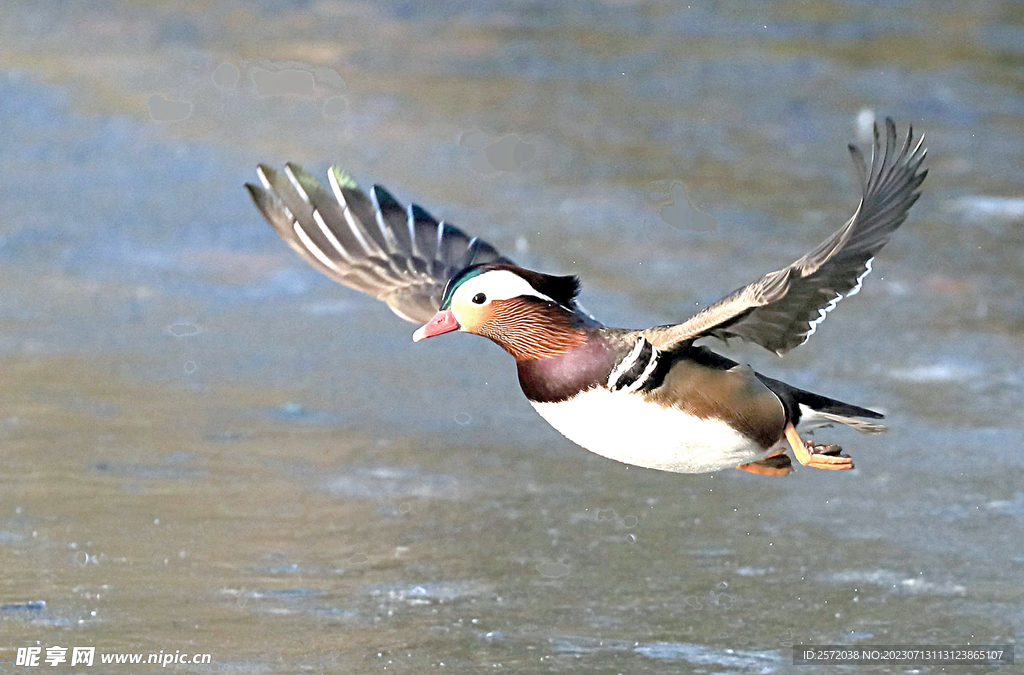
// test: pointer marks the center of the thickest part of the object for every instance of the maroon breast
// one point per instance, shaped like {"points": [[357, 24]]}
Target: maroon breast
{"points": [[557, 378]]}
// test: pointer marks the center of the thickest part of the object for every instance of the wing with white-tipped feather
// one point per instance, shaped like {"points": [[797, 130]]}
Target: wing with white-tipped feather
{"points": [[371, 243], [782, 310]]}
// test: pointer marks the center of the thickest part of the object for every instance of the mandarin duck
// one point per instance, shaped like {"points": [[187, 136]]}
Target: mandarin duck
{"points": [[652, 397]]}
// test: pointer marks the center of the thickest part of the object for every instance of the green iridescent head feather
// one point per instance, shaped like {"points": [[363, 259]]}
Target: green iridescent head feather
{"points": [[456, 281]]}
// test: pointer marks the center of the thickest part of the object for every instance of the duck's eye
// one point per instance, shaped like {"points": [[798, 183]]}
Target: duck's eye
{"points": [[479, 299]]}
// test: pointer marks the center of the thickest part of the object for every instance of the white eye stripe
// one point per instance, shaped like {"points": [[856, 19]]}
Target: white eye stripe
{"points": [[498, 285]]}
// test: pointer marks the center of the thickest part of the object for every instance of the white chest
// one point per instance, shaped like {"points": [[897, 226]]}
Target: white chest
{"points": [[626, 428]]}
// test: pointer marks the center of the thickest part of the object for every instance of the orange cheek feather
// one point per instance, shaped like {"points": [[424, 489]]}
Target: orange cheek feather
{"points": [[473, 317]]}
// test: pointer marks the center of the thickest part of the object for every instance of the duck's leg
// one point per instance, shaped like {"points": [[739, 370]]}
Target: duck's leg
{"points": [[815, 455], [774, 465]]}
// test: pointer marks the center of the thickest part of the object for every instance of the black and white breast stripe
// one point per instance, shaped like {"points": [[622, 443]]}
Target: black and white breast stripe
{"points": [[638, 370]]}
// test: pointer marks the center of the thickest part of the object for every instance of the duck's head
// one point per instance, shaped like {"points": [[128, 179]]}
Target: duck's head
{"points": [[529, 314]]}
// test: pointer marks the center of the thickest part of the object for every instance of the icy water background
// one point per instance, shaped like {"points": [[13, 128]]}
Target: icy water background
{"points": [[207, 447]]}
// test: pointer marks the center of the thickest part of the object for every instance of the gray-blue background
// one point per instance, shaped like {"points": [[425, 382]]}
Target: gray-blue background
{"points": [[207, 447]]}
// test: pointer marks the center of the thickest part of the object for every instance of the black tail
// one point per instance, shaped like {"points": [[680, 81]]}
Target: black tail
{"points": [[836, 411]]}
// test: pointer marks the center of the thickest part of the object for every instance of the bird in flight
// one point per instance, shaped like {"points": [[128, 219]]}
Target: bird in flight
{"points": [[653, 397]]}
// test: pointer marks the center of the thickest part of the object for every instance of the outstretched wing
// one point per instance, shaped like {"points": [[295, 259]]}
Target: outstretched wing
{"points": [[398, 254], [782, 310]]}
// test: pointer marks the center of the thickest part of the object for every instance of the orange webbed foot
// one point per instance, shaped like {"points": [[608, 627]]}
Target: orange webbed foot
{"points": [[777, 465], [816, 455]]}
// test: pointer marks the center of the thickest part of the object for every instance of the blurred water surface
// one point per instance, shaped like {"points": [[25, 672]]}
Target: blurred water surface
{"points": [[207, 447]]}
